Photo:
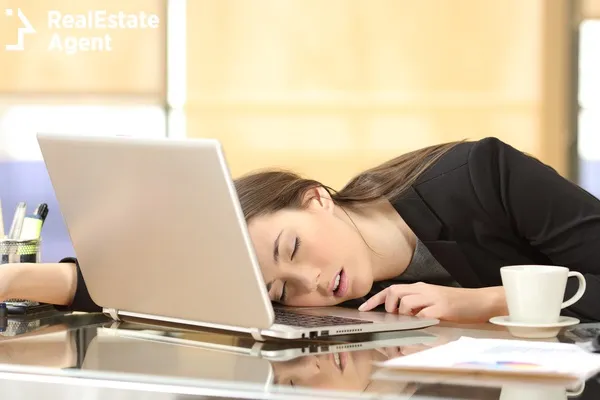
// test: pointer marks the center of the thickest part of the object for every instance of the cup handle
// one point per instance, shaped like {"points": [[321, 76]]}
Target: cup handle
{"points": [[579, 292]]}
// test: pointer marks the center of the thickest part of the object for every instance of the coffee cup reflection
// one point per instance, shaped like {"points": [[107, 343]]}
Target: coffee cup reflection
{"points": [[535, 392]]}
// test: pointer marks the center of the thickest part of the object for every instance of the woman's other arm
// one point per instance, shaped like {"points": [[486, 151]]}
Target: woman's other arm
{"points": [[60, 284], [53, 283]]}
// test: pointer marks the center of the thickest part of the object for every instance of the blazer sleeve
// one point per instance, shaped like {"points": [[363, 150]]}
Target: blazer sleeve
{"points": [[553, 215], [82, 300]]}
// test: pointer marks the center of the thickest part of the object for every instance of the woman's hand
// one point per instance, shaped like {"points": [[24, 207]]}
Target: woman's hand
{"points": [[6, 277], [441, 302]]}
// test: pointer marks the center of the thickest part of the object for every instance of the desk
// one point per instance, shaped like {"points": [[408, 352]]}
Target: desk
{"points": [[83, 355]]}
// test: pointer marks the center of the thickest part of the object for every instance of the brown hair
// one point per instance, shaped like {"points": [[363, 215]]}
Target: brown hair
{"points": [[266, 192]]}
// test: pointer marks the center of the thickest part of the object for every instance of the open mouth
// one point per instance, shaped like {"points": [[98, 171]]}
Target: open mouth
{"points": [[336, 285], [340, 360], [340, 285]]}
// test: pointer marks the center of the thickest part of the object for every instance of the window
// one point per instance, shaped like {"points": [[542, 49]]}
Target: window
{"points": [[117, 92], [20, 124], [588, 135]]}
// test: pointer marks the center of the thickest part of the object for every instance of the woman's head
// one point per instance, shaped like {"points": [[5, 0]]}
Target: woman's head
{"points": [[348, 371], [309, 250], [302, 241]]}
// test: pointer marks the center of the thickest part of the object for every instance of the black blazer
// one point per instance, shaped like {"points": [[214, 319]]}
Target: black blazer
{"points": [[82, 300], [485, 205]]}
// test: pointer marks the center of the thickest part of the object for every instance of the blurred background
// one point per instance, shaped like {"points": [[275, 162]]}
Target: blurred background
{"points": [[325, 87]]}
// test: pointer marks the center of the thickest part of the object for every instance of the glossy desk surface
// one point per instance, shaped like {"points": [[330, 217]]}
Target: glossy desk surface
{"points": [[87, 355]]}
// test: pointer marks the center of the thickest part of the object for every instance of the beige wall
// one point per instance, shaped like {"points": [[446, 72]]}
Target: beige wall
{"points": [[325, 87], [135, 68], [590, 8], [329, 88]]}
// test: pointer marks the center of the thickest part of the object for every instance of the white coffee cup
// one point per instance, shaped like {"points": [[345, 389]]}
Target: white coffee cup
{"points": [[534, 293]]}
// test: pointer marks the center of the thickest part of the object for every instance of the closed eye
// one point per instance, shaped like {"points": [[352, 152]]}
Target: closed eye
{"points": [[283, 296], [296, 245], [283, 293]]}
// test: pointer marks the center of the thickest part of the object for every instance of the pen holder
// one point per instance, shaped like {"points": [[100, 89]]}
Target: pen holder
{"points": [[15, 251], [15, 328]]}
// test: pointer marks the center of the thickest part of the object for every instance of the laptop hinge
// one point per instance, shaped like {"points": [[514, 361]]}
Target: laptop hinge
{"points": [[112, 312], [256, 335], [256, 349]]}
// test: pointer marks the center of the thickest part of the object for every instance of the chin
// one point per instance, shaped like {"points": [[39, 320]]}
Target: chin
{"points": [[337, 302], [362, 289]]}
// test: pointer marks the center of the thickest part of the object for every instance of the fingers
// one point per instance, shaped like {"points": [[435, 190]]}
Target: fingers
{"points": [[393, 352], [374, 301], [390, 296], [386, 296], [413, 303], [430, 312], [391, 302]]}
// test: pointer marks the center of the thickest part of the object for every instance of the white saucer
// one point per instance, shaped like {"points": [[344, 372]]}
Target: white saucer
{"points": [[534, 331]]}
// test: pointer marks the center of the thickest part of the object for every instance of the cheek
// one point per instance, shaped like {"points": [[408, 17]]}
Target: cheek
{"points": [[320, 252], [341, 245], [363, 363], [328, 242]]}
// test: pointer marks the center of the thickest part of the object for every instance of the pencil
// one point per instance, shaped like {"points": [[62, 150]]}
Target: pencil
{"points": [[17, 223]]}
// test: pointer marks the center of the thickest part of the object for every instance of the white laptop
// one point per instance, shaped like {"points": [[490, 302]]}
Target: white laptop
{"points": [[159, 234]]}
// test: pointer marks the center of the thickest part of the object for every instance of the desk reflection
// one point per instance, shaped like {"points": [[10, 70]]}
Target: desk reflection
{"points": [[166, 353], [240, 359], [52, 341]]}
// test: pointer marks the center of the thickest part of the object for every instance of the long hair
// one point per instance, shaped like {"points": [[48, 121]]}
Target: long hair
{"points": [[268, 191]]}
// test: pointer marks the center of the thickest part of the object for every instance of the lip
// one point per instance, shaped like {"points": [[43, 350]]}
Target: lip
{"points": [[344, 284], [332, 282], [343, 360]]}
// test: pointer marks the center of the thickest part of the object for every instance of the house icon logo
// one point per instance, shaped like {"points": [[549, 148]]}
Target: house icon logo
{"points": [[22, 31]]}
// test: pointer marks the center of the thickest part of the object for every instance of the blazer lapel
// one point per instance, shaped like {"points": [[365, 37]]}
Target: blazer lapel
{"points": [[430, 230], [418, 216]]}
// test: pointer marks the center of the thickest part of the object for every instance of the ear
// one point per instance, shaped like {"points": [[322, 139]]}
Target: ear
{"points": [[318, 198]]}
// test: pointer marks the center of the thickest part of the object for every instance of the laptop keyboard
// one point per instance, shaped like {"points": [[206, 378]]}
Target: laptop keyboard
{"points": [[285, 317]]}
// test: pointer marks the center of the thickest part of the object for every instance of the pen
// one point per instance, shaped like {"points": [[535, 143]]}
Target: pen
{"points": [[3, 317], [32, 224], [42, 211], [17, 222], [2, 234]]}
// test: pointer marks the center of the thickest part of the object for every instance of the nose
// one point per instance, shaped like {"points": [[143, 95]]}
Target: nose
{"points": [[309, 278], [310, 366], [300, 370]]}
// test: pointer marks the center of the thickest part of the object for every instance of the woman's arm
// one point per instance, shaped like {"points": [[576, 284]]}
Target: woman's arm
{"points": [[549, 213], [53, 283], [60, 284]]}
